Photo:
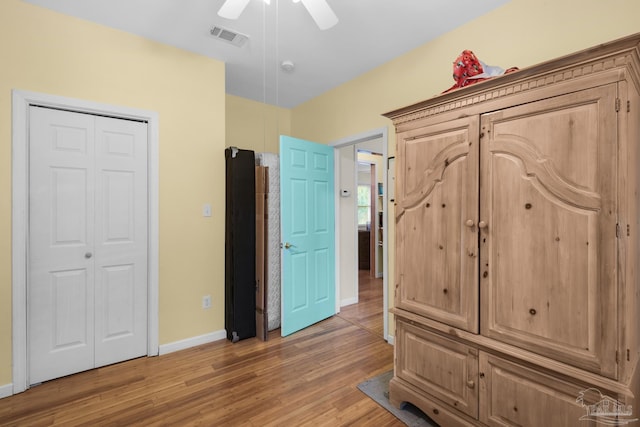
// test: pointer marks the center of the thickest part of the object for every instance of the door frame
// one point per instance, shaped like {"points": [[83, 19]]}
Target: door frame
{"points": [[373, 228], [21, 101], [380, 133]]}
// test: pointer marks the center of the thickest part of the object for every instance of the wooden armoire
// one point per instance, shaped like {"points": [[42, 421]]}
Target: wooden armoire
{"points": [[517, 285]]}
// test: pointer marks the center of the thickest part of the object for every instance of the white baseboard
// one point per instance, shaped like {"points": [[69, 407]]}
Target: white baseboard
{"points": [[6, 390], [348, 301], [192, 342], [391, 339]]}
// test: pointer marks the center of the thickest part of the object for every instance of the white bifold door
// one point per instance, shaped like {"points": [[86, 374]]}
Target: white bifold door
{"points": [[87, 273]]}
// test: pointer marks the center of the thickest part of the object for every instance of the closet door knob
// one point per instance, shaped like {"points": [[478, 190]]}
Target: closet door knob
{"points": [[482, 224], [469, 223], [287, 245], [471, 384], [88, 255]]}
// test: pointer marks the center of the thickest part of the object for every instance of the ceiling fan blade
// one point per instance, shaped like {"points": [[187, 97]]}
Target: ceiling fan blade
{"points": [[231, 9], [321, 12]]}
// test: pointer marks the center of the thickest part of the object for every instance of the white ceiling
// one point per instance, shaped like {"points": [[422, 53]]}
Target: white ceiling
{"points": [[369, 33]]}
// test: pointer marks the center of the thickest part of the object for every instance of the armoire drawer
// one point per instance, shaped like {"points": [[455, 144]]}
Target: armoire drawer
{"points": [[514, 395], [443, 368]]}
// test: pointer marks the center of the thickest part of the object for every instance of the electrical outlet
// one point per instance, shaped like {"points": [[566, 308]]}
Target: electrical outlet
{"points": [[206, 301]]}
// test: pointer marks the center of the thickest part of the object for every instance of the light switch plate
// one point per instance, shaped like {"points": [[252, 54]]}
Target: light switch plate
{"points": [[206, 210]]}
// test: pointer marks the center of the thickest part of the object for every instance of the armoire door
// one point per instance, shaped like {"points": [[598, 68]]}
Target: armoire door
{"points": [[548, 250], [87, 283], [436, 222]]}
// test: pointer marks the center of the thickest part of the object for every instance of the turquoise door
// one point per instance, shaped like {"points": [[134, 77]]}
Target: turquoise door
{"points": [[307, 228]]}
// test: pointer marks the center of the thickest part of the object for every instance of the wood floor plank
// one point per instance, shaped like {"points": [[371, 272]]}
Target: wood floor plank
{"points": [[368, 312], [308, 378]]}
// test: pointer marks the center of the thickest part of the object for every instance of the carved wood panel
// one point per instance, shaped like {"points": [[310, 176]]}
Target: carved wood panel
{"points": [[548, 254], [442, 367], [437, 208]]}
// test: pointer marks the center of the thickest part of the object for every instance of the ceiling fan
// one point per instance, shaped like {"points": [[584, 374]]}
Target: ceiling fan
{"points": [[319, 10]]}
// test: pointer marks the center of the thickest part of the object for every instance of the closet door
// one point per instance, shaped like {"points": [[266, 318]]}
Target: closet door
{"points": [[61, 244], [436, 220], [548, 245], [87, 289], [120, 240]]}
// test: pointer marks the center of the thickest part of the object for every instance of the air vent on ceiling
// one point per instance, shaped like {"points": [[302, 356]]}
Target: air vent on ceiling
{"points": [[228, 36]]}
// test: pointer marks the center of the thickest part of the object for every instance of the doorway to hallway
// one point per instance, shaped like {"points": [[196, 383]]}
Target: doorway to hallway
{"points": [[347, 230]]}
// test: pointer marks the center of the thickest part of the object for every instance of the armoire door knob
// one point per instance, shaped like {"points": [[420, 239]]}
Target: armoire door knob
{"points": [[482, 224], [469, 223]]}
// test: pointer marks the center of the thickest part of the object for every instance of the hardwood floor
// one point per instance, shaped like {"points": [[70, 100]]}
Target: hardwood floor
{"points": [[308, 378], [368, 312]]}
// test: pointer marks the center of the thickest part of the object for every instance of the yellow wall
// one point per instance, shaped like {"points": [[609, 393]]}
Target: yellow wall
{"points": [[520, 33], [43, 51], [375, 159], [256, 126]]}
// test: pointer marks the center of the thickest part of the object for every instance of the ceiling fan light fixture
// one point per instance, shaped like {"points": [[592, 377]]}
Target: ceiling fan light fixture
{"points": [[232, 9], [319, 10]]}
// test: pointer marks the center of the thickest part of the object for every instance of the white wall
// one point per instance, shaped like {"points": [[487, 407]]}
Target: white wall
{"points": [[348, 241]]}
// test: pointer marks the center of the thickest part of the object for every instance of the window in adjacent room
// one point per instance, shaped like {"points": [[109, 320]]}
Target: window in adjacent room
{"points": [[364, 207]]}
